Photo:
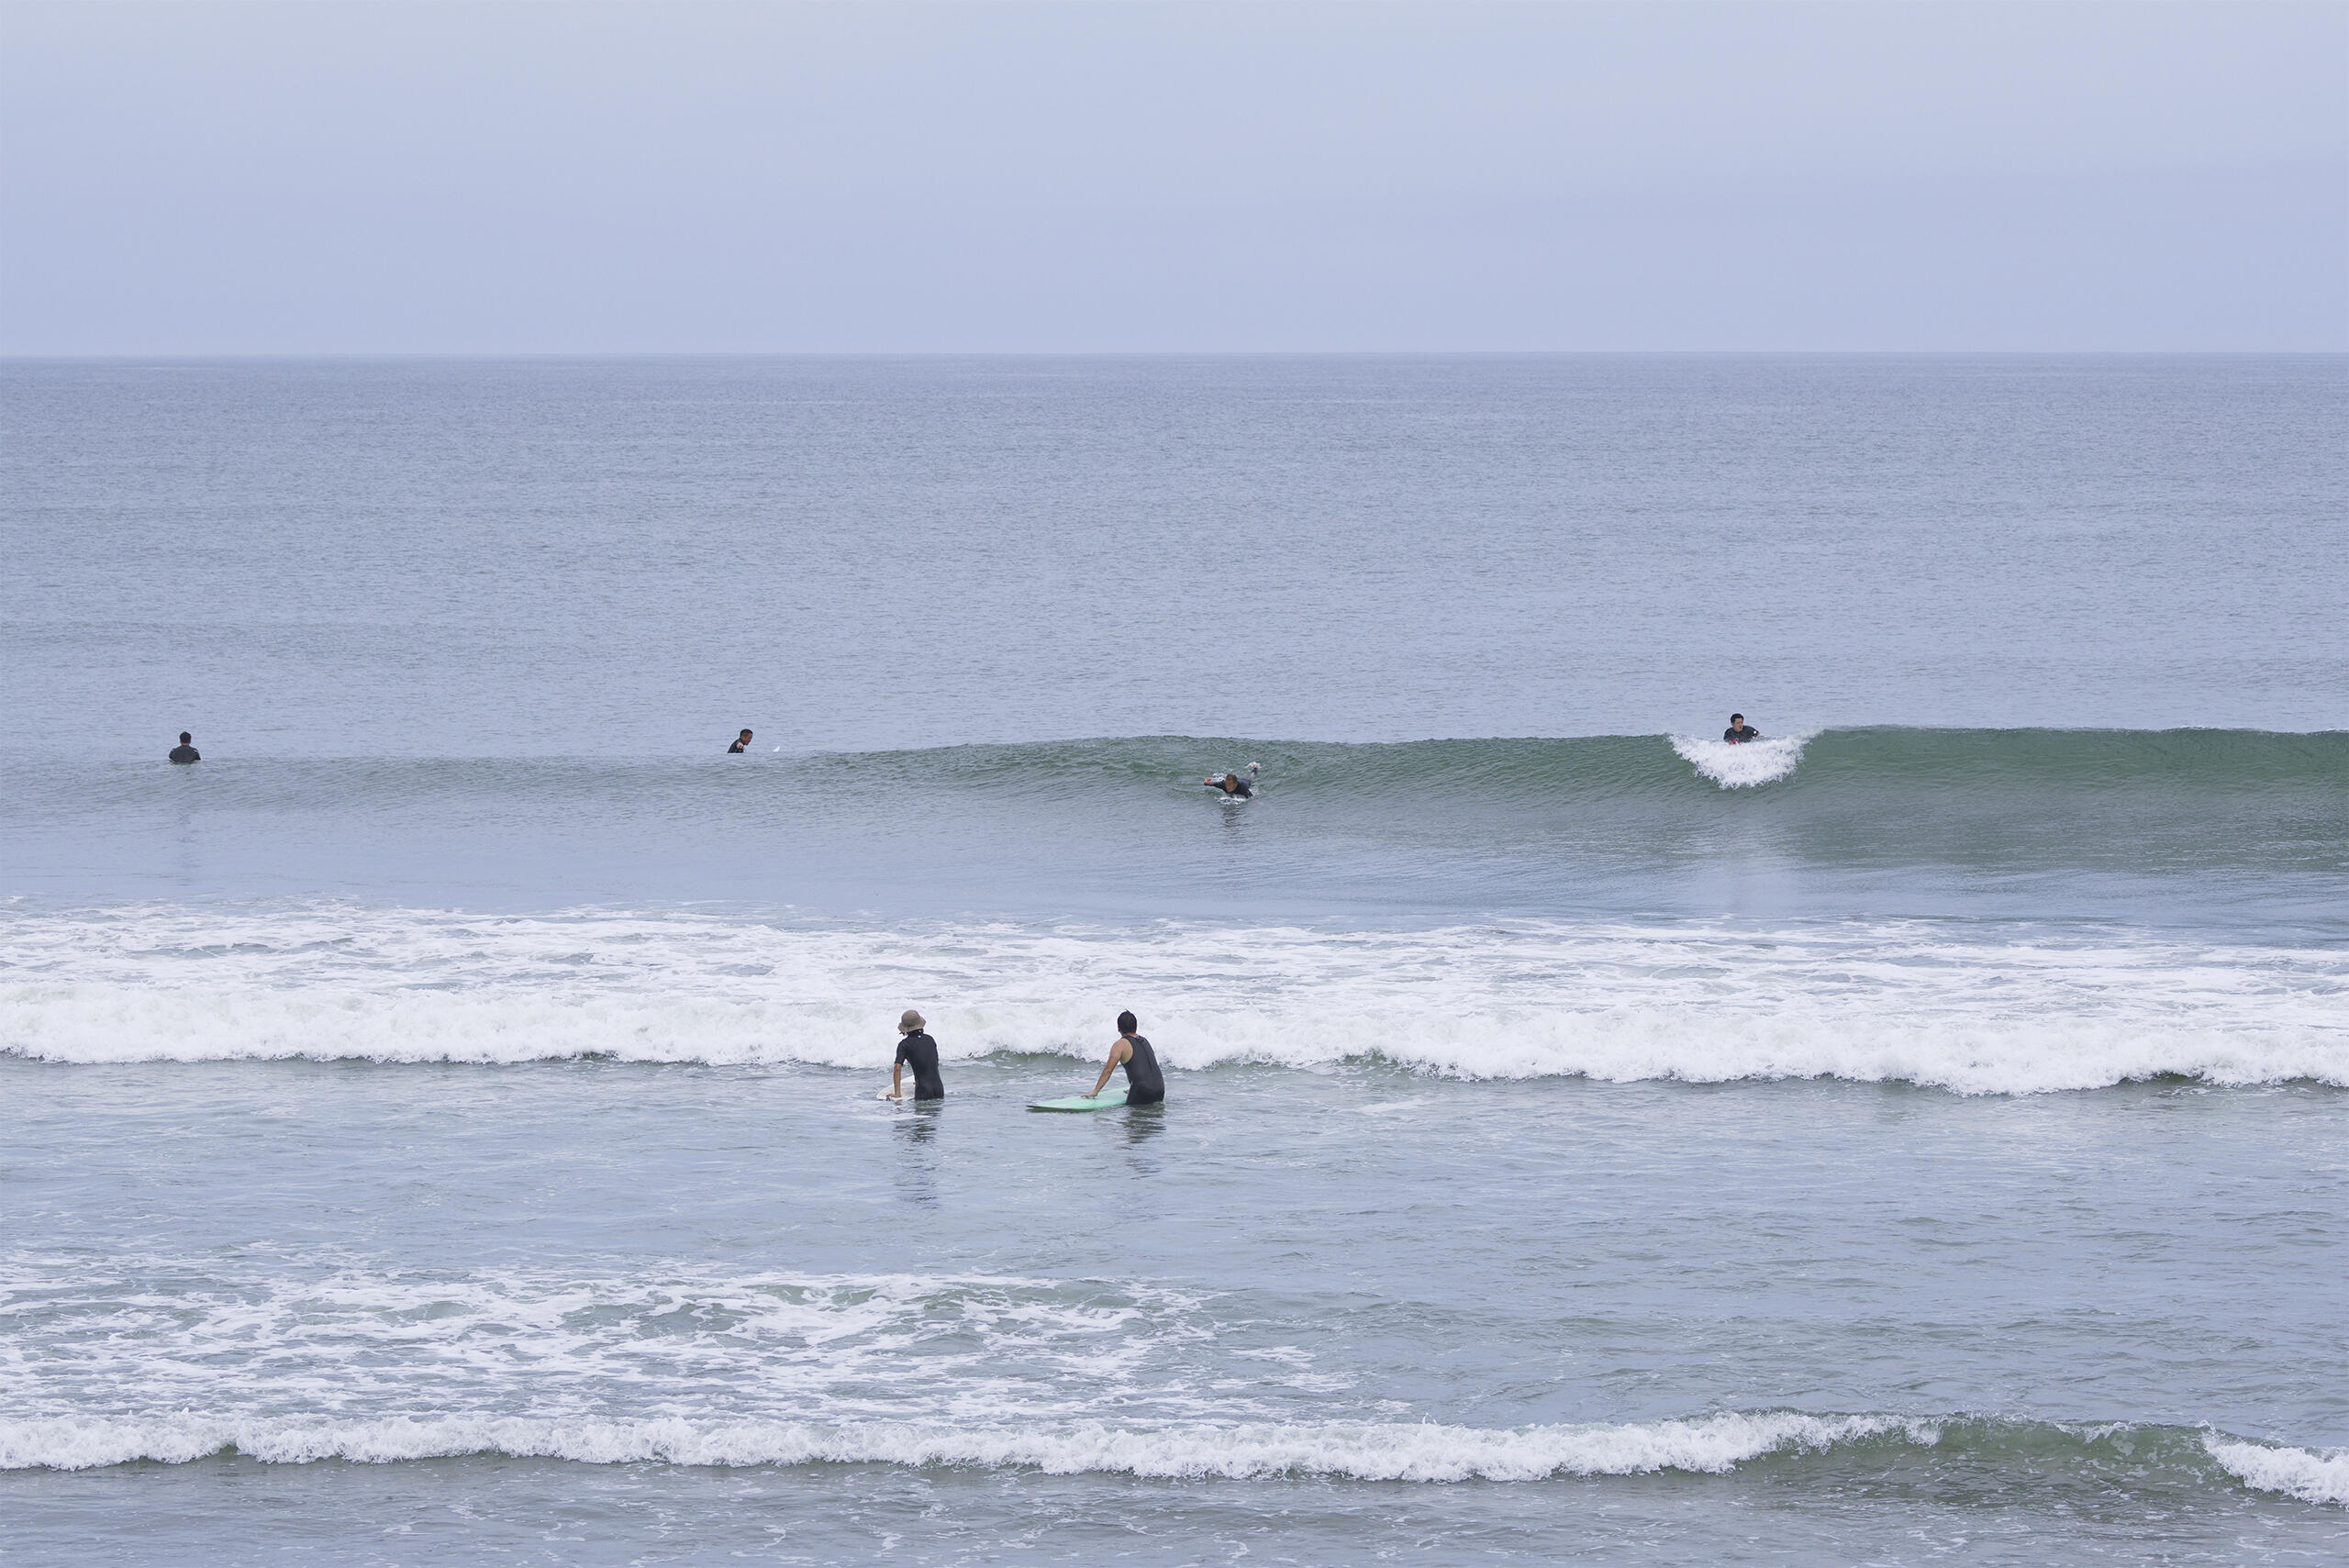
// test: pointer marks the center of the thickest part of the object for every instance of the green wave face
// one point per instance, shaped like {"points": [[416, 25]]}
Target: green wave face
{"points": [[1876, 757], [2116, 798], [2004, 823]]}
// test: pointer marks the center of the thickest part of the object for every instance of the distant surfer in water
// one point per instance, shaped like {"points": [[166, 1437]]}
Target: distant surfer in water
{"points": [[185, 752], [741, 743], [918, 1050], [1145, 1086], [1232, 785], [1739, 732]]}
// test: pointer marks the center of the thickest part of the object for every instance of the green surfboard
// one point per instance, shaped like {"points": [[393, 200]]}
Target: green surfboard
{"points": [[1101, 1102]]}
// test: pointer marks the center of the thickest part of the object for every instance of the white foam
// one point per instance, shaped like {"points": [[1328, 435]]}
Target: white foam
{"points": [[267, 1340], [2311, 1477], [1946, 1006], [1744, 765], [1357, 1451]]}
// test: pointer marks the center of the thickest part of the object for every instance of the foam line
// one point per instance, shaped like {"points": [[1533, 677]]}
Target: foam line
{"points": [[1356, 1450], [1940, 1005]]}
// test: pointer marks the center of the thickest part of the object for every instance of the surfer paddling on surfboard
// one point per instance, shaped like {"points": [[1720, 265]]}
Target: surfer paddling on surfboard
{"points": [[1232, 785], [1145, 1086], [1739, 732]]}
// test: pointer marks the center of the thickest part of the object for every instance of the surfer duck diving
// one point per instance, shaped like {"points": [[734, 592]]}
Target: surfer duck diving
{"points": [[1232, 786]]}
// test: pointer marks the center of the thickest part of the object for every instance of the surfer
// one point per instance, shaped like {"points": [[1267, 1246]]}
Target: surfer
{"points": [[185, 752], [1145, 1086], [741, 743], [1739, 732], [915, 1048], [1232, 785]]}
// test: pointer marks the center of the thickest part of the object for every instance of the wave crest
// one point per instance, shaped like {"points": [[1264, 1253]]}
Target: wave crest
{"points": [[1744, 766], [2318, 1476], [1423, 1451]]}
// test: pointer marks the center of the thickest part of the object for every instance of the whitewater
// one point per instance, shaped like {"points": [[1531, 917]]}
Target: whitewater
{"points": [[447, 1123], [1958, 1008]]}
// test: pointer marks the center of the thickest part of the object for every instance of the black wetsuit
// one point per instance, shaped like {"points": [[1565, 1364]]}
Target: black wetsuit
{"points": [[738, 746], [1238, 791], [919, 1052], [186, 754], [1145, 1086], [1743, 733]]}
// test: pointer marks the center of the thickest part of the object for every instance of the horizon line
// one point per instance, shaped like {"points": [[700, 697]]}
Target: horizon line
{"points": [[387, 355]]}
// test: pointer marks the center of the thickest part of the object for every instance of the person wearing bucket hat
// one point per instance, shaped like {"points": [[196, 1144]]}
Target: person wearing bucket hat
{"points": [[915, 1048]]}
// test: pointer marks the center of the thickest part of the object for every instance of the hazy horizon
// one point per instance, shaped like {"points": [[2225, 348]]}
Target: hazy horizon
{"points": [[209, 180]]}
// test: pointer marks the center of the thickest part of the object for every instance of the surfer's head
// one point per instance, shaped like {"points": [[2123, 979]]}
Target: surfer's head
{"points": [[1127, 1023], [910, 1023], [1736, 719], [185, 739], [746, 735]]}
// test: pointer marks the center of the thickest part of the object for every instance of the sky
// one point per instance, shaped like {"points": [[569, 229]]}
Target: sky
{"points": [[552, 178]]}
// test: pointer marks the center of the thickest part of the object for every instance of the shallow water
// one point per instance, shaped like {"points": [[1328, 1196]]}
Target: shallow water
{"points": [[1829, 1311], [443, 1122]]}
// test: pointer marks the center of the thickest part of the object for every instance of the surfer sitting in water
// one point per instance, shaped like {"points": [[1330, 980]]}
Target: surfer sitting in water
{"points": [[1739, 732], [185, 752], [1145, 1086], [741, 743], [915, 1048], [1232, 785]]}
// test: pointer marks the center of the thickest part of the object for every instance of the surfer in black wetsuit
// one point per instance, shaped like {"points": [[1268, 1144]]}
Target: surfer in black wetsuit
{"points": [[1739, 732], [1233, 785], [741, 743], [916, 1049], [1146, 1084], [185, 752]]}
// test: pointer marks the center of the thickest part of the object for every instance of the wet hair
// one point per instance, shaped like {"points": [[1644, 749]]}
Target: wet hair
{"points": [[1127, 1023], [746, 732], [1737, 718], [185, 739]]}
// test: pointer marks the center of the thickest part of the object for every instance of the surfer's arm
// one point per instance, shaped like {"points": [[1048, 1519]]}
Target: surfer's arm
{"points": [[1118, 1052], [896, 1079]]}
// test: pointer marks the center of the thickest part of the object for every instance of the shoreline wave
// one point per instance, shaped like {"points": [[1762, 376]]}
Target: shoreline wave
{"points": [[1425, 1452], [1941, 1006]]}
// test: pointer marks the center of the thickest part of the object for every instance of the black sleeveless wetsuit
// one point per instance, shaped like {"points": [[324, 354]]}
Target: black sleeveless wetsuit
{"points": [[1145, 1086]]}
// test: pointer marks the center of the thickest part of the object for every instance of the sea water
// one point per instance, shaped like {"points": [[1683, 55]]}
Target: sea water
{"points": [[442, 1124]]}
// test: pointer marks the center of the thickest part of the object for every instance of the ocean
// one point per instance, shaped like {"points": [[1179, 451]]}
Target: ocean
{"points": [[445, 1123]]}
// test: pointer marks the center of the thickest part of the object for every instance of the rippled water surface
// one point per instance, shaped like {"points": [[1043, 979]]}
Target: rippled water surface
{"points": [[444, 1122]]}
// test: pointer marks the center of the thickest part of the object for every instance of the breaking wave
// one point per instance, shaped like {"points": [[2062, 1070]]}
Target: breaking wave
{"points": [[1714, 1444], [1356, 1450], [2313, 1476], [1742, 766], [1940, 1004]]}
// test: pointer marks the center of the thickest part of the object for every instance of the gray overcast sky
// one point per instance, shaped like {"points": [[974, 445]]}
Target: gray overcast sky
{"points": [[204, 178]]}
